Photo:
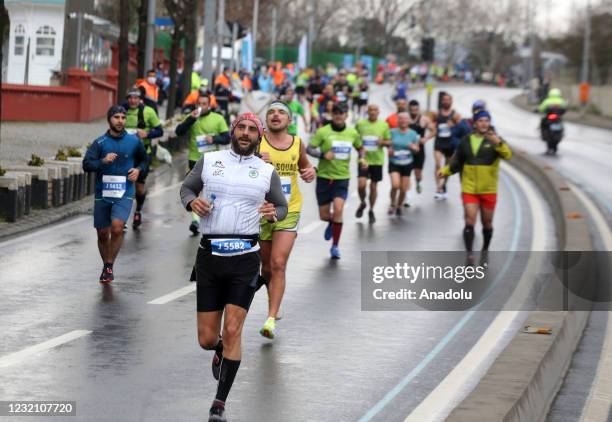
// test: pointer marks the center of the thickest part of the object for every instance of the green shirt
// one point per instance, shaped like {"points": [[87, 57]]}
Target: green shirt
{"points": [[341, 143], [475, 142], [296, 110], [212, 124], [150, 118], [371, 133]]}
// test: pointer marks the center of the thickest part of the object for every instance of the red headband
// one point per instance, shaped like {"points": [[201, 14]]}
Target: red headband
{"points": [[248, 116]]}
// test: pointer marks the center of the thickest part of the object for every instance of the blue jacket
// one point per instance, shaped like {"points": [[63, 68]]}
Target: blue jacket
{"points": [[130, 152]]}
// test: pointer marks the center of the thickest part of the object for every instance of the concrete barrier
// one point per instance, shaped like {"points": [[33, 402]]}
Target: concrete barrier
{"points": [[41, 184], [67, 177], [523, 381], [13, 197], [26, 205], [81, 176]]}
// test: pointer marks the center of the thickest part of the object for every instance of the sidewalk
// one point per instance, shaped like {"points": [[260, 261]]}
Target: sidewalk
{"points": [[594, 120]]}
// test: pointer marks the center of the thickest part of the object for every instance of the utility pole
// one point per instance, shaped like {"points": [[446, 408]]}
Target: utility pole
{"points": [[311, 10], [273, 37], [210, 9], [255, 18], [234, 39], [150, 44], [429, 80], [220, 35]]}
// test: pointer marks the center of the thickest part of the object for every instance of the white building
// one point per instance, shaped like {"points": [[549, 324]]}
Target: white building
{"points": [[37, 27]]}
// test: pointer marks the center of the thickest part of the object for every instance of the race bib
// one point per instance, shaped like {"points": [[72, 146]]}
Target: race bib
{"points": [[132, 131], [342, 150], [363, 95], [402, 157], [286, 185], [203, 145], [113, 186], [444, 130], [341, 96], [229, 246], [370, 143]]}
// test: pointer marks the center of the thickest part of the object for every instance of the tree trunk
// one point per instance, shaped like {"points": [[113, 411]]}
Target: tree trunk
{"points": [[124, 14], [142, 36], [190, 44], [174, 52]]}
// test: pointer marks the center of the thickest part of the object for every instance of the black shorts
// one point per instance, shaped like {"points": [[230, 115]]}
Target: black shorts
{"points": [[374, 173], [419, 158], [445, 147], [142, 176], [300, 90], [404, 171], [328, 189], [360, 102], [222, 280]]}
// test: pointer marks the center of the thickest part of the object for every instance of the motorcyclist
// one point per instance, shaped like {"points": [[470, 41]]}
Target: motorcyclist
{"points": [[555, 102]]}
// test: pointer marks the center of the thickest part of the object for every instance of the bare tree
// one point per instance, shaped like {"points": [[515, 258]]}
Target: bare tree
{"points": [[190, 25], [142, 36]]}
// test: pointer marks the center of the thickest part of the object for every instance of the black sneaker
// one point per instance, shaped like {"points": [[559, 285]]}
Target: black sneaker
{"points": [[216, 414], [359, 212], [371, 217], [216, 361], [194, 228], [107, 275], [137, 220], [398, 211]]}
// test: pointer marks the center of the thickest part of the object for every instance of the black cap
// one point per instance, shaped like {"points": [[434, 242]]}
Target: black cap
{"points": [[339, 108], [116, 109]]}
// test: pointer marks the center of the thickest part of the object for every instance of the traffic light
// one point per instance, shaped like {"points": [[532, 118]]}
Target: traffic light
{"points": [[427, 49]]}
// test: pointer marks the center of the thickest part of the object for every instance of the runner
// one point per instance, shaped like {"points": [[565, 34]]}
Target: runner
{"points": [[117, 158], [374, 135], [444, 148], [297, 110], [404, 147], [287, 154], [332, 145], [142, 121], [207, 130], [230, 190], [420, 124], [401, 106], [477, 158]]}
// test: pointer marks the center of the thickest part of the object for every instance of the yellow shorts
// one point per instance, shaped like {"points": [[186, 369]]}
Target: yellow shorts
{"points": [[289, 224]]}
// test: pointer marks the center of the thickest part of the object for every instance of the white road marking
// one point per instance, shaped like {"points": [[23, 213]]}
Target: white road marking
{"points": [[454, 387], [174, 295], [309, 228], [599, 400], [21, 355]]}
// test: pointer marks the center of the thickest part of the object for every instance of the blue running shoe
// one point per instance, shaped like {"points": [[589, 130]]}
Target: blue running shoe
{"points": [[335, 252], [328, 232]]}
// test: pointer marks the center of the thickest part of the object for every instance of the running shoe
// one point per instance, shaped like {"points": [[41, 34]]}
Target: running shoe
{"points": [[391, 210], [438, 196], [216, 361], [328, 232], [398, 212], [107, 275], [418, 188], [371, 217], [359, 212], [137, 220], [216, 414], [334, 252], [406, 204], [194, 228], [268, 328]]}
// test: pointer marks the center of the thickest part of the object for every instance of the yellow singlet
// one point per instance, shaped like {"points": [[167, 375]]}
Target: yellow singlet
{"points": [[286, 164]]}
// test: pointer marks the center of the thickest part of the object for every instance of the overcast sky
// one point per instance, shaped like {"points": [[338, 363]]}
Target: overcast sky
{"points": [[556, 15]]}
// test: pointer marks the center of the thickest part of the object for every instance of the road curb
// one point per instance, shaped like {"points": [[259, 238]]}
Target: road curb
{"points": [[524, 379]]}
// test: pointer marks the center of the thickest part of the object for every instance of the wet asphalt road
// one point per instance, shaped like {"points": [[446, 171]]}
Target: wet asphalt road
{"points": [[330, 362]]}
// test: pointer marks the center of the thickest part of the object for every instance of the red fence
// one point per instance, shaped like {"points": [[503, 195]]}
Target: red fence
{"points": [[82, 99]]}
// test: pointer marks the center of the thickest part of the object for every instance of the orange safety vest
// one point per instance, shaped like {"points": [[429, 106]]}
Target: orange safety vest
{"points": [[222, 80], [151, 91], [193, 96]]}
